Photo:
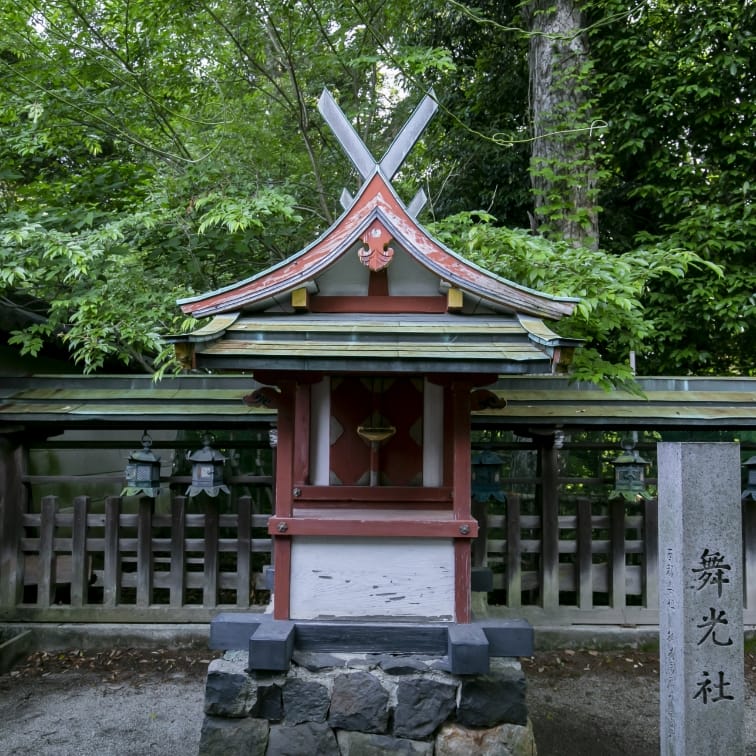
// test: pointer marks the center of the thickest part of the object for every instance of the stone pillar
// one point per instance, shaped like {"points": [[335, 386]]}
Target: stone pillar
{"points": [[700, 599]]}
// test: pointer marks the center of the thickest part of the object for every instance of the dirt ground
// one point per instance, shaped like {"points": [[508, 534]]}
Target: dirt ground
{"points": [[606, 703], [137, 702]]}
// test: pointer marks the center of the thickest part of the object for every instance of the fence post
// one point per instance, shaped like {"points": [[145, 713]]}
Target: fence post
{"points": [[210, 589], [480, 544], [178, 552], [11, 505], [243, 551], [584, 562], [46, 584], [549, 528], [514, 552], [650, 585], [144, 552], [79, 561], [617, 560], [111, 576]]}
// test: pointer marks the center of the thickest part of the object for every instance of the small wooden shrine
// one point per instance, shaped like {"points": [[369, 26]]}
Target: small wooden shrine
{"points": [[374, 343]]}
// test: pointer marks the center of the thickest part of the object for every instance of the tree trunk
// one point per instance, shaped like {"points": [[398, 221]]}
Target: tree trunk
{"points": [[563, 167]]}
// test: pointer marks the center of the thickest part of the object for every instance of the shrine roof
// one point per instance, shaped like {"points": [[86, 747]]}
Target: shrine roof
{"points": [[376, 203], [376, 291]]}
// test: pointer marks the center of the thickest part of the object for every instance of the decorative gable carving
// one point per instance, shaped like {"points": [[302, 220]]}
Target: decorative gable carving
{"points": [[377, 254]]}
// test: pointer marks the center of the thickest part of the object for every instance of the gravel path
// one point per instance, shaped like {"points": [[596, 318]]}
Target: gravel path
{"points": [[134, 703], [119, 703]]}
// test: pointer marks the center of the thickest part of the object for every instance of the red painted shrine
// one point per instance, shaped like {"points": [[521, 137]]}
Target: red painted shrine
{"points": [[373, 343]]}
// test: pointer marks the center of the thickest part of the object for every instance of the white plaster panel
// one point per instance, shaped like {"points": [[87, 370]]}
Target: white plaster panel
{"points": [[320, 432], [372, 578], [348, 277], [406, 277], [433, 434]]}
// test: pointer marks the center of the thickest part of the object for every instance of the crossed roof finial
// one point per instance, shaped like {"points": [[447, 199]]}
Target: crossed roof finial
{"points": [[397, 152]]}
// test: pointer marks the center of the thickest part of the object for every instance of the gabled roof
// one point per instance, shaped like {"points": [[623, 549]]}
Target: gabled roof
{"points": [[376, 292], [376, 206]]}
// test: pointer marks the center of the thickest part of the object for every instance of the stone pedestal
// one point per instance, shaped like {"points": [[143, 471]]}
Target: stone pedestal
{"points": [[364, 705]]}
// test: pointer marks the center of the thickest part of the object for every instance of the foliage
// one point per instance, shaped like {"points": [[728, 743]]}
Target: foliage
{"points": [[676, 83], [479, 139], [152, 150], [610, 315]]}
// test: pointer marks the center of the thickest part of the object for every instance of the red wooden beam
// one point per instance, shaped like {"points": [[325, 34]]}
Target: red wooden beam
{"points": [[370, 495], [384, 528], [378, 304], [371, 506], [301, 423]]}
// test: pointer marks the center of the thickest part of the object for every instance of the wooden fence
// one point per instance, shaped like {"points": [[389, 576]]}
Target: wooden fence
{"points": [[79, 565], [598, 564], [560, 552]]}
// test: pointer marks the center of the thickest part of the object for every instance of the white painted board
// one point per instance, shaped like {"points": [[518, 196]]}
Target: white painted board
{"points": [[372, 578]]}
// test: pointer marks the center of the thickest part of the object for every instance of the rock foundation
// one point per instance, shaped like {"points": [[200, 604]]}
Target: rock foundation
{"points": [[364, 705]]}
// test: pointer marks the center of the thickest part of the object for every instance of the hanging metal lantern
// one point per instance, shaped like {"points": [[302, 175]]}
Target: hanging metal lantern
{"points": [[486, 477], [207, 469], [143, 471], [630, 475], [750, 489]]}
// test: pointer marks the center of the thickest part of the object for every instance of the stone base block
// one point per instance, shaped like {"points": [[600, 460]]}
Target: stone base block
{"points": [[514, 740], [224, 737], [271, 646], [341, 704], [468, 650], [271, 642]]}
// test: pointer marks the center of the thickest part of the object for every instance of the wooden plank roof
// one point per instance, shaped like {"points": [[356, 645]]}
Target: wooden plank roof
{"points": [[129, 401], [665, 402], [211, 401]]}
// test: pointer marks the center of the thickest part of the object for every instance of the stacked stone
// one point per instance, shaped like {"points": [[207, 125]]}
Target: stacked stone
{"points": [[364, 705]]}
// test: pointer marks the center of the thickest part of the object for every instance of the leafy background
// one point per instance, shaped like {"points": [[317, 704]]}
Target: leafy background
{"points": [[153, 150]]}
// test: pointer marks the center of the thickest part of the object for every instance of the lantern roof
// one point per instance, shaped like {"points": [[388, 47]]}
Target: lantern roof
{"points": [[376, 287]]}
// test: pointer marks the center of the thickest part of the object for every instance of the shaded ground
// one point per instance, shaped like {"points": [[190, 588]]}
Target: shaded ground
{"points": [[137, 702], [598, 703], [593, 703]]}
